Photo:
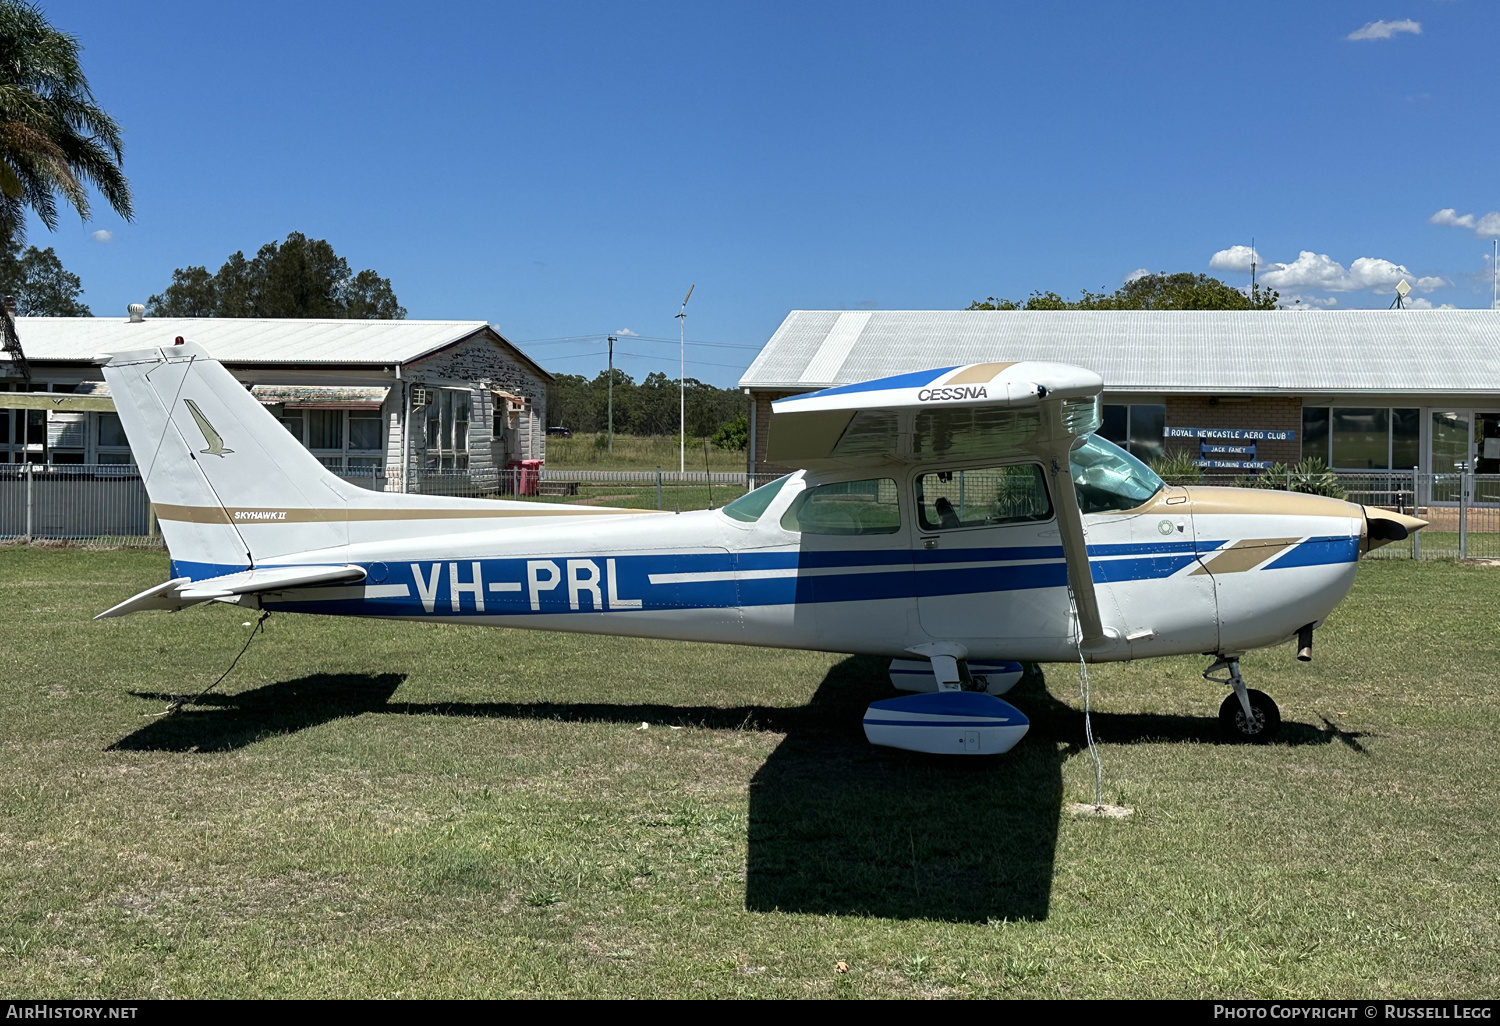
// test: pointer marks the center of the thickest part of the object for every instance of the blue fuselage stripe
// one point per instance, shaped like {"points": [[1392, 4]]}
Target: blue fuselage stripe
{"points": [[723, 579]]}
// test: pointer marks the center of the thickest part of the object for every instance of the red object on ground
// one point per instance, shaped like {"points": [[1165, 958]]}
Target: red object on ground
{"points": [[525, 474]]}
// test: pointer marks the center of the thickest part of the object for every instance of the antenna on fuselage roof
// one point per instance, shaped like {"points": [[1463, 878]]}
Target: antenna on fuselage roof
{"points": [[708, 475]]}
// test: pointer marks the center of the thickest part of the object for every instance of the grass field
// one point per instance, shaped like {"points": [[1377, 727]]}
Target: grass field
{"points": [[378, 809], [636, 452]]}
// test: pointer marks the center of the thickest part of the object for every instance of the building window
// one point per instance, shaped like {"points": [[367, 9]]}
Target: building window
{"points": [[364, 431], [1137, 428], [448, 429], [1315, 433], [111, 432], [344, 441], [1406, 439], [110, 444], [325, 429], [24, 434], [1362, 438]]}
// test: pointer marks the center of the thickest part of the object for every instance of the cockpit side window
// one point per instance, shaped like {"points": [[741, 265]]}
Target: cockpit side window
{"points": [[982, 497], [1108, 479]]}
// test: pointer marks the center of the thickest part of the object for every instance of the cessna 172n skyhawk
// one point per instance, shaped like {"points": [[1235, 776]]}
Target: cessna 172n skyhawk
{"points": [[958, 520]]}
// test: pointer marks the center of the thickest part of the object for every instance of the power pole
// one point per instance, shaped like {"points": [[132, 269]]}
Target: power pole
{"points": [[612, 395], [682, 381]]}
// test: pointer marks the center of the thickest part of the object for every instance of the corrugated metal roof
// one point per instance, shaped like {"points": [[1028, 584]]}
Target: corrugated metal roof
{"points": [[244, 340], [1217, 351]]}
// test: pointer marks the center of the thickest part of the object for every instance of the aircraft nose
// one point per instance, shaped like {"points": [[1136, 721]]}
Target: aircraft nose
{"points": [[1383, 527]]}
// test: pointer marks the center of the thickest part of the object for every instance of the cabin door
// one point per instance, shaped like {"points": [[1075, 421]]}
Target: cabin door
{"points": [[989, 559]]}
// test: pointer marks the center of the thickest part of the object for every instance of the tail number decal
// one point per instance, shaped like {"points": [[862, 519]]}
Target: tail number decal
{"points": [[588, 587]]}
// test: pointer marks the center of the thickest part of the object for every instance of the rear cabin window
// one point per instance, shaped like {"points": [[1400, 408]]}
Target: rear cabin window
{"points": [[846, 507], [983, 497], [749, 507]]}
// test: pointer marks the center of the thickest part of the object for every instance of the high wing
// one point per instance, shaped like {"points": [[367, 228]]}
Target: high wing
{"points": [[987, 409], [181, 592]]}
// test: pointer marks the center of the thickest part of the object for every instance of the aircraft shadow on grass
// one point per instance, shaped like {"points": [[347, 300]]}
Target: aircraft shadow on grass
{"points": [[836, 825]]}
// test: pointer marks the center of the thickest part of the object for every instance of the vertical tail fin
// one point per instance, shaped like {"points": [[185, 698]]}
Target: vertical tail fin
{"points": [[230, 487]]}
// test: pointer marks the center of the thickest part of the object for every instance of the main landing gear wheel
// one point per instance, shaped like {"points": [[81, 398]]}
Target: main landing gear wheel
{"points": [[1246, 715], [1261, 728]]}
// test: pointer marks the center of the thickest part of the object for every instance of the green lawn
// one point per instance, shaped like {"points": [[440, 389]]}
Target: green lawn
{"points": [[376, 809], [637, 452]]}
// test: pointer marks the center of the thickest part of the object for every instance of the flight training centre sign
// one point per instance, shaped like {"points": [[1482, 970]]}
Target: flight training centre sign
{"points": [[1230, 448]]}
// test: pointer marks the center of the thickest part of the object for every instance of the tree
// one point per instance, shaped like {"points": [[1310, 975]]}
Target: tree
{"points": [[645, 408], [299, 277], [55, 141], [39, 283], [1184, 291]]}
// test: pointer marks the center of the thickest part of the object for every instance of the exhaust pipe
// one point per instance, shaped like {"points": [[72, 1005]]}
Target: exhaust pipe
{"points": [[1304, 643]]}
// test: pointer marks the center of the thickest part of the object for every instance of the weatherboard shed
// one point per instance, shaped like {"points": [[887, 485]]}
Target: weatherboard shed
{"points": [[375, 401]]}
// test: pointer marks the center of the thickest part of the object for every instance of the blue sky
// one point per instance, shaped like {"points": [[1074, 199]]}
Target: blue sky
{"points": [[566, 170]]}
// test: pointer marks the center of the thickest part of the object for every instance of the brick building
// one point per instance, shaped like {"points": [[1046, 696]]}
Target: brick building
{"points": [[375, 401], [1382, 391]]}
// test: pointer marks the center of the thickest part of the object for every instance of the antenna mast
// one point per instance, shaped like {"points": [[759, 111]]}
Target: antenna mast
{"points": [[682, 381], [612, 395]]}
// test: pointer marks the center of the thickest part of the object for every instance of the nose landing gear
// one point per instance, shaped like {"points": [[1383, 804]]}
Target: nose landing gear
{"points": [[1246, 715]]}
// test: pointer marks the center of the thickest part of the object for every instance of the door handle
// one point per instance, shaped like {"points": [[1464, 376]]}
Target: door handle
{"points": [[929, 543]]}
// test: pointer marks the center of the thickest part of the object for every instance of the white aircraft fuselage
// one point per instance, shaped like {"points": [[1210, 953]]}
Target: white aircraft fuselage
{"points": [[1195, 570], [955, 515]]}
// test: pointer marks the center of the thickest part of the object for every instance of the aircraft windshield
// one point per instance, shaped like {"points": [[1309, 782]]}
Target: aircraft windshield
{"points": [[751, 505], [1109, 479]]}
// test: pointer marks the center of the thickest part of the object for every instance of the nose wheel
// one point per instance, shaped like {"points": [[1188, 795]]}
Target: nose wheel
{"points": [[1247, 714]]}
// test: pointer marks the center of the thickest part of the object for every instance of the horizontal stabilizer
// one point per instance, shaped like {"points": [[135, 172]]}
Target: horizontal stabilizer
{"points": [[182, 592]]}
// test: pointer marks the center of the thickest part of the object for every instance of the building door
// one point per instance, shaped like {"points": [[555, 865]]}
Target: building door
{"points": [[1465, 441]]}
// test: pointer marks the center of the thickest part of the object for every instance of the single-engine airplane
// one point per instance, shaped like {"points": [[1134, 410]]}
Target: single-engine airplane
{"points": [[958, 520]]}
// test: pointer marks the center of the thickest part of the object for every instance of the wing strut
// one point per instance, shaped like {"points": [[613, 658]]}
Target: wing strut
{"points": [[1075, 549]]}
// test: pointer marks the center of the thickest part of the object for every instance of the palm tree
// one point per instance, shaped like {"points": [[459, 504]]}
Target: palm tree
{"points": [[54, 139]]}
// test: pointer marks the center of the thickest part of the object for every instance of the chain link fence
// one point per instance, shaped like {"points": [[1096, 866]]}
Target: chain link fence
{"points": [[106, 505]]}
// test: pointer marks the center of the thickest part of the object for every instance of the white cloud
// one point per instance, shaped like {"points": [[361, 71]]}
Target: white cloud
{"points": [[1235, 258], [1487, 225], [1386, 29], [1450, 217], [1309, 271], [626, 331], [1320, 271], [103, 235], [1139, 272]]}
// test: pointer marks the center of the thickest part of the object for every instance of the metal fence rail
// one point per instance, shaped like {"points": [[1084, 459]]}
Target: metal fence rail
{"points": [[107, 504], [103, 505]]}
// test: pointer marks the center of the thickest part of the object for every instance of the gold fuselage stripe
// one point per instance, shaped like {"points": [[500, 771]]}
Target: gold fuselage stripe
{"points": [[1244, 555], [268, 515]]}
